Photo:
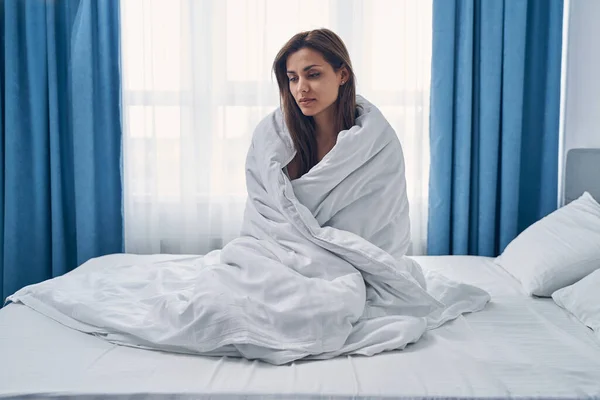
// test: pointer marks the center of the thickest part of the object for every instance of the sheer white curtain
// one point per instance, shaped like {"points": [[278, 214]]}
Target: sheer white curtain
{"points": [[197, 79]]}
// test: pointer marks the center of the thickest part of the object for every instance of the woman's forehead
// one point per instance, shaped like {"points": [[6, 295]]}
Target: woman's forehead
{"points": [[304, 58]]}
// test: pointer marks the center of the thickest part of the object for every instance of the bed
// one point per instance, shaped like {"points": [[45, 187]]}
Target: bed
{"points": [[518, 346]]}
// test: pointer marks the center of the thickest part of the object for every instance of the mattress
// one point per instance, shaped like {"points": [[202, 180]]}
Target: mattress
{"points": [[517, 347]]}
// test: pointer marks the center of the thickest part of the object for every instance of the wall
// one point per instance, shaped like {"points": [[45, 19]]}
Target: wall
{"points": [[580, 103], [582, 85]]}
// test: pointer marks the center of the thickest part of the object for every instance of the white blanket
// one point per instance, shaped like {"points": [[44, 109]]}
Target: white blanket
{"points": [[319, 269]]}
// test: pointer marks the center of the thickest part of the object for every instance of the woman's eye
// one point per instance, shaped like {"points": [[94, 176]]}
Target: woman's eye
{"points": [[293, 79], [314, 75]]}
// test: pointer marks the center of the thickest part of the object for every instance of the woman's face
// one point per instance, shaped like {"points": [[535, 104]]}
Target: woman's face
{"points": [[313, 82]]}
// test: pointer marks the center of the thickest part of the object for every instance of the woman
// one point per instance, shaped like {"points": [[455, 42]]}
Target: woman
{"points": [[318, 94], [319, 105]]}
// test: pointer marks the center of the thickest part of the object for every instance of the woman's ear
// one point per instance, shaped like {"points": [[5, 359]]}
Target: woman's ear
{"points": [[344, 75]]}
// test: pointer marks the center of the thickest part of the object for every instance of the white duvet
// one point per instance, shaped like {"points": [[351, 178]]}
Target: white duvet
{"points": [[319, 269]]}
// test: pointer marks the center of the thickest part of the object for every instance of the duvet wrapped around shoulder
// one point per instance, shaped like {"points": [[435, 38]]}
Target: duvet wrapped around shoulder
{"points": [[319, 270]]}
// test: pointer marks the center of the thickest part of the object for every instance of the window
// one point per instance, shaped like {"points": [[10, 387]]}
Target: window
{"points": [[197, 79]]}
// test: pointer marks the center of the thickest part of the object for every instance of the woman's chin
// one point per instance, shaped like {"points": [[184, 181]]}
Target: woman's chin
{"points": [[308, 112]]}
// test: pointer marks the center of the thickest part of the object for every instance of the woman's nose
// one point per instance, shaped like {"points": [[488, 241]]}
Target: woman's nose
{"points": [[302, 86]]}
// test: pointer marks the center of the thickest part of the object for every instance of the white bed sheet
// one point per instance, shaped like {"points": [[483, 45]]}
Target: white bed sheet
{"points": [[517, 347]]}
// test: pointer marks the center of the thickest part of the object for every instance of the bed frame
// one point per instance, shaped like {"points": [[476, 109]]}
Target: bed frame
{"points": [[582, 173]]}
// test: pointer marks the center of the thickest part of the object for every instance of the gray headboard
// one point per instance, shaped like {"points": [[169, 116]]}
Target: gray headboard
{"points": [[582, 174]]}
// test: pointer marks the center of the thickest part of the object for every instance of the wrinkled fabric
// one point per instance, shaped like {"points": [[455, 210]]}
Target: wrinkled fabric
{"points": [[318, 271]]}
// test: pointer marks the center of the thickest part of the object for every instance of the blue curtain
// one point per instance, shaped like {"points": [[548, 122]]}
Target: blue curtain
{"points": [[60, 153], [495, 95]]}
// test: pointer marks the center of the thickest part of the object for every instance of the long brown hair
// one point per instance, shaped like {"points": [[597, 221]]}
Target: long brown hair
{"points": [[302, 128]]}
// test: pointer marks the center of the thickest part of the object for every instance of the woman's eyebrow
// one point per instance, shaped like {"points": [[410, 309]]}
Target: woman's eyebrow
{"points": [[305, 68]]}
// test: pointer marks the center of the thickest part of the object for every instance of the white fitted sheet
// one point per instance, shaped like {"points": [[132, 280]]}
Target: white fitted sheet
{"points": [[517, 347]]}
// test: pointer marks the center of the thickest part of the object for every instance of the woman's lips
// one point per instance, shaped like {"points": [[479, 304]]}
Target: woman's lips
{"points": [[307, 102]]}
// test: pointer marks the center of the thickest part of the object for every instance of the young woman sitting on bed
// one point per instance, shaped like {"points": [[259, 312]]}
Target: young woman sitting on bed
{"points": [[318, 94]]}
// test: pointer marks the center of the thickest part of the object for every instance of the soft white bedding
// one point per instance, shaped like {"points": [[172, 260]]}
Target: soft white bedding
{"points": [[517, 346], [319, 269]]}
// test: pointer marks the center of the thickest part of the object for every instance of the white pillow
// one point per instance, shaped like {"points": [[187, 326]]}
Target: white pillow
{"points": [[557, 250], [582, 300]]}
